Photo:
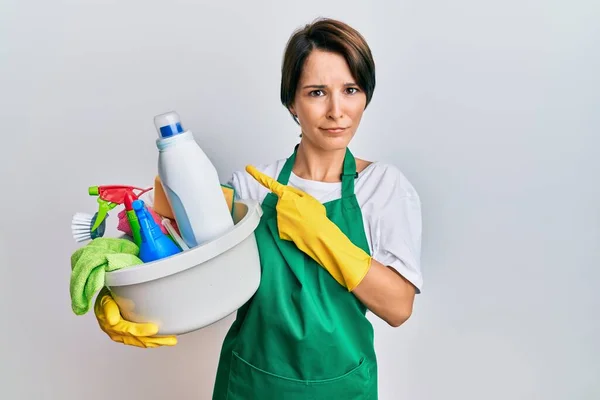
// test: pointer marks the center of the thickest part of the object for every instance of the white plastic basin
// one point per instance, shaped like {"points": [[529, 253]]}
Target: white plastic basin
{"points": [[195, 288]]}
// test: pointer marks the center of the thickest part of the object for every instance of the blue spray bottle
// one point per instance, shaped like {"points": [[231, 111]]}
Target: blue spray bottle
{"points": [[155, 244]]}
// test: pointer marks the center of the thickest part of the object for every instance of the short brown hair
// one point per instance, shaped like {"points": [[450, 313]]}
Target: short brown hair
{"points": [[327, 35]]}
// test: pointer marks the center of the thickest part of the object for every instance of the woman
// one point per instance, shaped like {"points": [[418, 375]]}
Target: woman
{"points": [[339, 236]]}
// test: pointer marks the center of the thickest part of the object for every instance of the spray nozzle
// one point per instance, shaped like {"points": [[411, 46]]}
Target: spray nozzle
{"points": [[110, 196]]}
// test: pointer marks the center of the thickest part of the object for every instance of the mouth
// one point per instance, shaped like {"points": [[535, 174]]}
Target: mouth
{"points": [[335, 129]]}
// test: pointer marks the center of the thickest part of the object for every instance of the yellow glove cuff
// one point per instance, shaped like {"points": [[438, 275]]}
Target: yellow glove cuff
{"points": [[334, 251]]}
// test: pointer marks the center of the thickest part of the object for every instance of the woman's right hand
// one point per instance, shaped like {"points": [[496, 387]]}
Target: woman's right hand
{"points": [[122, 331]]}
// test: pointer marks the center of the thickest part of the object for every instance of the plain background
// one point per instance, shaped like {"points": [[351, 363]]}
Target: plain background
{"points": [[491, 109]]}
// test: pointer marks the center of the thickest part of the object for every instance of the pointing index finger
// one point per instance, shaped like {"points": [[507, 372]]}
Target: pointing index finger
{"points": [[265, 180]]}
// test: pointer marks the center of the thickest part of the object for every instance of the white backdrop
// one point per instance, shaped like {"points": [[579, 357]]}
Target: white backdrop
{"points": [[489, 108]]}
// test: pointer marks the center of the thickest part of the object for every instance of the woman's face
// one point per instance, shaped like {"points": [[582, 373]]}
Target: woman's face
{"points": [[328, 102]]}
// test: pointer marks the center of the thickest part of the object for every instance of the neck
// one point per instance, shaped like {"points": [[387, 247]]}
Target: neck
{"points": [[317, 164]]}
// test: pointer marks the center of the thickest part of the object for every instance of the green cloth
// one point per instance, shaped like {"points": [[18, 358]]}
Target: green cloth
{"points": [[90, 263], [302, 335]]}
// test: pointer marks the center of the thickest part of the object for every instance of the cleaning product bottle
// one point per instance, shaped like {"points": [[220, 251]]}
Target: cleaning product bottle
{"points": [[190, 182], [154, 243]]}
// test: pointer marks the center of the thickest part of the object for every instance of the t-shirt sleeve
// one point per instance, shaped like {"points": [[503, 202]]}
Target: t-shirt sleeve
{"points": [[239, 189], [398, 234], [246, 187]]}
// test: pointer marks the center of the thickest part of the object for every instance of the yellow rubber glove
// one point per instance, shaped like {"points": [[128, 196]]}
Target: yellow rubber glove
{"points": [[303, 219], [122, 331]]}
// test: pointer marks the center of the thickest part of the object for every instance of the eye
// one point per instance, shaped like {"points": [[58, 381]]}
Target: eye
{"points": [[316, 93], [352, 90]]}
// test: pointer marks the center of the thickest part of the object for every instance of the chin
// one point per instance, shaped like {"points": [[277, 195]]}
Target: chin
{"points": [[333, 142]]}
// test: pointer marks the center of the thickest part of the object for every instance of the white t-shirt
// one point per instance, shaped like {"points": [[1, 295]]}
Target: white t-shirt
{"points": [[390, 206]]}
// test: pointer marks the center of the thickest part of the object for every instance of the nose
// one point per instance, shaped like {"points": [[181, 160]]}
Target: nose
{"points": [[335, 110]]}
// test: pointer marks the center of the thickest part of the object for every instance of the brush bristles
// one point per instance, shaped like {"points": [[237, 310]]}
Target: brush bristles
{"points": [[81, 226], [82, 229], [83, 218], [82, 237]]}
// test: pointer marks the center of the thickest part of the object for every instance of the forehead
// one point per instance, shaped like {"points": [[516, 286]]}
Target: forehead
{"points": [[323, 67]]}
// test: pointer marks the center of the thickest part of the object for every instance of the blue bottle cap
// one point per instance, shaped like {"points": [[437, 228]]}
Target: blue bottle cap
{"points": [[168, 124], [137, 205]]}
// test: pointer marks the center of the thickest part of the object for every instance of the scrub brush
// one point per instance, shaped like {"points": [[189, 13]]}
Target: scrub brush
{"points": [[81, 227]]}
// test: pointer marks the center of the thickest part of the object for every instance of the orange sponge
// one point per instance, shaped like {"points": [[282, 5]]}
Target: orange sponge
{"points": [[229, 193], [161, 204]]}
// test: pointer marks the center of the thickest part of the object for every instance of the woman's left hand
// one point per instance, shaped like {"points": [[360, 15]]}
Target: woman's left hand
{"points": [[303, 219]]}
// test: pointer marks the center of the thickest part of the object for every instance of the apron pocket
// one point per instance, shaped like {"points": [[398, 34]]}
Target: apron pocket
{"points": [[249, 382]]}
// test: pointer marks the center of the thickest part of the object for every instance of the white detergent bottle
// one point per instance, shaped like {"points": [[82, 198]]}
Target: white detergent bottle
{"points": [[191, 183]]}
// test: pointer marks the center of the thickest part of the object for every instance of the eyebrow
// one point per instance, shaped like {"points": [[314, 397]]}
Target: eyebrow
{"points": [[324, 86]]}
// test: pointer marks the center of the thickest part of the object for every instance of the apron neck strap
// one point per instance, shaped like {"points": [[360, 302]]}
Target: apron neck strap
{"points": [[348, 175]]}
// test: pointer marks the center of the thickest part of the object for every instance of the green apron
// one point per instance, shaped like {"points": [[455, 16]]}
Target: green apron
{"points": [[302, 335]]}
